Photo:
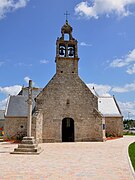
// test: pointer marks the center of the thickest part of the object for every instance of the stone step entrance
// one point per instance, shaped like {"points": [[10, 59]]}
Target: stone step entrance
{"points": [[28, 146]]}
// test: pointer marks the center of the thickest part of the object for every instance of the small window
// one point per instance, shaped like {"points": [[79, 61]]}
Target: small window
{"points": [[21, 126], [61, 71], [103, 126], [68, 102], [72, 72]]}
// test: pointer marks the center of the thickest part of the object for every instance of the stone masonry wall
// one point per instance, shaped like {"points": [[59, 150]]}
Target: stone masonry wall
{"points": [[67, 66], [14, 125], [114, 126]]}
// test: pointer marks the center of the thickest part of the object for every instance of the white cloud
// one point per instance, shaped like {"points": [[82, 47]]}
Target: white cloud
{"points": [[106, 90], [20, 4], [131, 69], [21, 64], [127, 109], [124, 61], [3, 104], [1, 63], [11, 5], [101, 90], [9, 90], [44, 61], [128, 60], [12, 90], [104, 7], [85, 44], [118, 63], [126, 88], [26, 79], [123, 34]]}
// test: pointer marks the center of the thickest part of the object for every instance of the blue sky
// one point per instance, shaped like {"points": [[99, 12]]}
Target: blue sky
{"points": [[105, 33]]}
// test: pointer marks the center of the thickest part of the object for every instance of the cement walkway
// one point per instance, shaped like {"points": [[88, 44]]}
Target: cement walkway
{"points": [[69, 161]]}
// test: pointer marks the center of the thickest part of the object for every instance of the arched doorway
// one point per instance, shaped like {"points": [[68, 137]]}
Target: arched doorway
{"points": [[67, 130]]}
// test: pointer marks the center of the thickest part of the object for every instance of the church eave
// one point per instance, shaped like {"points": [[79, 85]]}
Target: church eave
{"points": [[112, 116], [16, 116]]}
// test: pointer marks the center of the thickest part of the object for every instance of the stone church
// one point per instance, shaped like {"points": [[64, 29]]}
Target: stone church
{"points": [[65, 110]]}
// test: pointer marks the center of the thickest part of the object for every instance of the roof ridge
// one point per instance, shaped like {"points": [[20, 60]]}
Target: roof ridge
{"points": [[105, 96], [7, 104]]}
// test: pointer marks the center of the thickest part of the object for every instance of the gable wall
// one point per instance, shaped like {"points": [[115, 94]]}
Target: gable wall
{"points": [[67, 96]]}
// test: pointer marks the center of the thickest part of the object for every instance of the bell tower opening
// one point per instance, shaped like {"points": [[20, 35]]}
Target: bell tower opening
{"points": [[62, 50], [66, 37], [71, 51]]}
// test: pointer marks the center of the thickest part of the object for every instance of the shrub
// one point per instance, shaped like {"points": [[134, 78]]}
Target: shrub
{"points": [[20, 135], [111, 135]]}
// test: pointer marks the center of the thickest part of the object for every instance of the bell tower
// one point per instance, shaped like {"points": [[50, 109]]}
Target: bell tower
{"points": [[66, 51]]}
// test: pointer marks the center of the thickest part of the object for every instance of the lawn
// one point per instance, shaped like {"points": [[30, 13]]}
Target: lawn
{"points": [[131, 151], [129, 133]]}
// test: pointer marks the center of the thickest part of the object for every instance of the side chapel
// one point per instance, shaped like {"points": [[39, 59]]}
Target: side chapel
{"points": [[65, 110]]}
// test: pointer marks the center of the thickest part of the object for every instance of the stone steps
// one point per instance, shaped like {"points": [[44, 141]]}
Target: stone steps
{"points": [[27, 149], [28, 146]]}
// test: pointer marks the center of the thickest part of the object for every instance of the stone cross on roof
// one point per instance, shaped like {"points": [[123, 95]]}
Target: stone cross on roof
{"points": [[66, 14]]}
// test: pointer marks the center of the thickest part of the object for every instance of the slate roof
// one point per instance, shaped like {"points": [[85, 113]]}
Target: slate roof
{"points": [[2, 112], [108, 106], [17, 105]]}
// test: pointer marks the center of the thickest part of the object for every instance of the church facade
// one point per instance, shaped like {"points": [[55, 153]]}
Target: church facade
{"points": [[65, 110]]}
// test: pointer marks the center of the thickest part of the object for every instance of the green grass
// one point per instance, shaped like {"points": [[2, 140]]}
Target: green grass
{"points": [[131, 151], [129, 133]]}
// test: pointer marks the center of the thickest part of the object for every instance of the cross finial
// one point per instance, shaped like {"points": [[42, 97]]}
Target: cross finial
{"points": [[66, 14]]}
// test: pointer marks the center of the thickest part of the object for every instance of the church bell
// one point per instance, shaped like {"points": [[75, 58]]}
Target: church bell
{"points": [[61, 51], [71, 52]]}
